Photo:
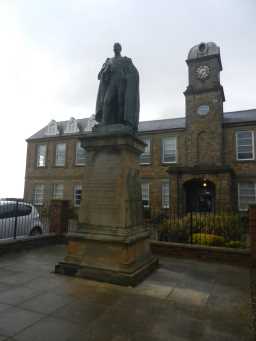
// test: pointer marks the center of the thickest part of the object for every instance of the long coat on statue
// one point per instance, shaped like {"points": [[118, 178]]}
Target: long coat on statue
{"points": [[118, 95]]}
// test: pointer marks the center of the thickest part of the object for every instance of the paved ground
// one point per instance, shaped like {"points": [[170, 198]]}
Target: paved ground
{"points": [[182, 300]]}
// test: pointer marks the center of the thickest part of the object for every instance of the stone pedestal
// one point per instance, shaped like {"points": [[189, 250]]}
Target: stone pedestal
{"points": [[111, 243]]}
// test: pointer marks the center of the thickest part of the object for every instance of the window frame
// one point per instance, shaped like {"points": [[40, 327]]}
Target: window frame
{"points": [[75, 187], [148, 191], [52, 128], [37, 155], [238, 194], [38, 203], [76, 153], [146, 153], [65, 154], [54, 191], [164, 183], [163, 149], [71, 126], [253, 145]]}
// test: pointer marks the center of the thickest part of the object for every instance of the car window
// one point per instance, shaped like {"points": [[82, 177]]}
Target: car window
{"points": [[7, 210], [24, 210]]}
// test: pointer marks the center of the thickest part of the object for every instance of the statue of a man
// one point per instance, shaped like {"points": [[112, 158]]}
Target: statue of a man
{"points": [[118, 94]]}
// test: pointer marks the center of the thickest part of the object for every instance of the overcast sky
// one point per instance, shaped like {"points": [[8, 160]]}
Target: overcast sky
{"points": [[52, 50]]}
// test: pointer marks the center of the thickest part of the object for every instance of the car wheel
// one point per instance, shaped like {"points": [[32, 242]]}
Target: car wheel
{"points": [[36, 231]]}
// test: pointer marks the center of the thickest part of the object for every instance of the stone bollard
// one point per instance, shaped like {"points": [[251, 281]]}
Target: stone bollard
{"points": [[58, 216], [252, 227]]}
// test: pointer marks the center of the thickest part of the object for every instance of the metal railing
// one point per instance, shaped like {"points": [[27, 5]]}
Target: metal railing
{"points": [[20, 219], [224, 229]]}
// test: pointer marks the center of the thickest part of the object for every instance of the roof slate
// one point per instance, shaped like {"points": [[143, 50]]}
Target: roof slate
{"points": [[234, 117]]}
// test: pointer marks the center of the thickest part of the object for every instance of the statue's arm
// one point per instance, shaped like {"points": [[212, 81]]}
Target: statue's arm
{"points": [[104, 68], [130, 68]]}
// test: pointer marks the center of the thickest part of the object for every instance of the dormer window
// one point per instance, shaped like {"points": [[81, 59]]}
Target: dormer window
{"points": [[90, 123], [52, 128], [71, 126]]}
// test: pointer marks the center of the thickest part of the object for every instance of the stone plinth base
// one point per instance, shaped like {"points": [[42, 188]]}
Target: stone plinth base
{"points": [[111, 243], [113, 262]]}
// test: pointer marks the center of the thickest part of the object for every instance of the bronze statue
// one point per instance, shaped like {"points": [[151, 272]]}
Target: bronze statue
{"points": [[118, 94]]}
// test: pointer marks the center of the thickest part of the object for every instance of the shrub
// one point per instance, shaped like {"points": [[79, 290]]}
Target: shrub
{"points": [[235, 244], [230, 227], [208, 239], [175, 230]]}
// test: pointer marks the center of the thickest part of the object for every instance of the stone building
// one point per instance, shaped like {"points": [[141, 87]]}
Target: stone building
{"points": [[204, 161]]}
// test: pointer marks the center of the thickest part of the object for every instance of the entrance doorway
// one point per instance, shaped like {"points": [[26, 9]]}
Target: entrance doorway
{"points": [[199, 195]]}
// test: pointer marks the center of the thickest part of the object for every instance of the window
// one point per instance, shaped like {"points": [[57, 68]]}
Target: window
{"points": [[38, 194], [80, 155], [90, 123], [23, 210], [7, 210], [77, 195], [245, 145], [165, 194], [41, 155], [58, 191], [246, 194], [145, 158], [52, 128], [60, 157], [145, 194], [169, 152], [71, 126]]}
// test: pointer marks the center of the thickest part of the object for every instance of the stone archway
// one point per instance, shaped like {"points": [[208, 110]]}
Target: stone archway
{"points": [[199, 195]]}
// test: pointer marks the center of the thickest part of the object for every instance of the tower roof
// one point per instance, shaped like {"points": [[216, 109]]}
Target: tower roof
{"points": [[203, 50]]}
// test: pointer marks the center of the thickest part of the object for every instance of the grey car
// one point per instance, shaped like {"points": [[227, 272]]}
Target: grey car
{"points": [[19, 218]]}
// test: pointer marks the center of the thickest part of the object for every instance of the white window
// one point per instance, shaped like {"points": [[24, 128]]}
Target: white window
{"points": [[60, 157], [169, 149], [52, 128], [80, 154], [145, 157], [246, 194], [38, 194], [41, 155], [90, 123], [58, 191], [145, 194], [71, 126], [165, 194], [245, 145], [77, 195]]}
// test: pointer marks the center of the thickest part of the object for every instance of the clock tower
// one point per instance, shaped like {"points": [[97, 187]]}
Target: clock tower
{"points": [[204, 106]]}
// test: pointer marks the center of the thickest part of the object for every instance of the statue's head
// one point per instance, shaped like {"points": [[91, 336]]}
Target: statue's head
{"points": [[117, 48]]}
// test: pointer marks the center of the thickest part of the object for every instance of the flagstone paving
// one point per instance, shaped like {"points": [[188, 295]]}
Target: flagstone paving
{"points": [[182, 300]]}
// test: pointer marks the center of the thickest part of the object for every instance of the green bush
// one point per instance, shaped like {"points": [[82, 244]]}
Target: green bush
{"points": [[235, 244], [174, 230], [208, 239], [231, 227]]}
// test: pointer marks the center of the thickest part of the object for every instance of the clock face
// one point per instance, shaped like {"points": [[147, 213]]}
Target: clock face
{"points": [[203, 72], [203, 109]]}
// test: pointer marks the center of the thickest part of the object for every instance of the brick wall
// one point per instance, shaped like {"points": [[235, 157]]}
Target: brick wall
{"points": [[69, 175], [155, 173]]}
